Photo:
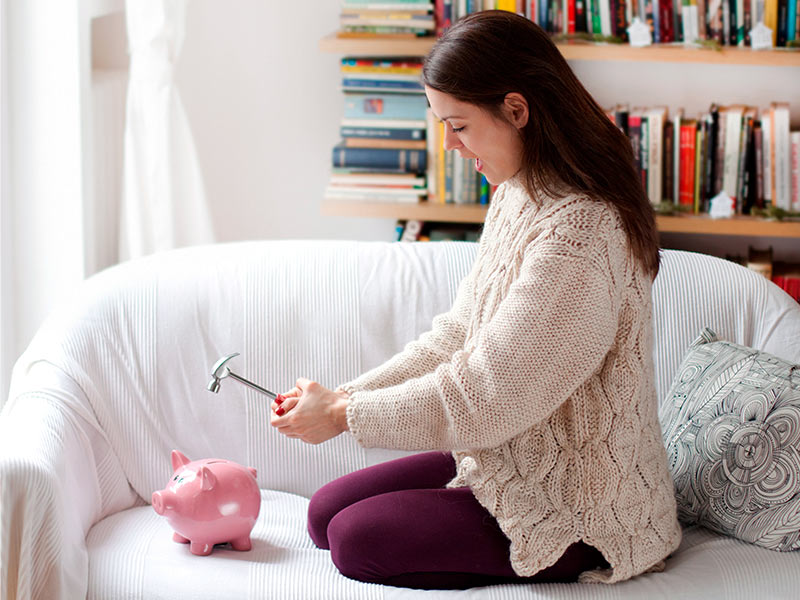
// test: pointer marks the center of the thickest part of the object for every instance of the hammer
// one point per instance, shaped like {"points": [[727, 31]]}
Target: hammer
{"points": [[220, 371]]}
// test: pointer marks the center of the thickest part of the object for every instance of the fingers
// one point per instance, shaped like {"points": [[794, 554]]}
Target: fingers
{"points": [[284, 404]]}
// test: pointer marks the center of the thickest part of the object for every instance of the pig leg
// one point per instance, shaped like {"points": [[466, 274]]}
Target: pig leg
{"points": [[177, 537], [201, 548], [242, 543]]}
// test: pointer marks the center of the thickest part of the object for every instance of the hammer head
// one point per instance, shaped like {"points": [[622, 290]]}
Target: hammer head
{"points": [[219, 371]]}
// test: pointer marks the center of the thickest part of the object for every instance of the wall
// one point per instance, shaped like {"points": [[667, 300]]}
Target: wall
{"points": [[264, 105]]}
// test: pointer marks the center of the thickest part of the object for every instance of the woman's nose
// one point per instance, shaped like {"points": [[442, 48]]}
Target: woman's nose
{"points": [[451, 141]]}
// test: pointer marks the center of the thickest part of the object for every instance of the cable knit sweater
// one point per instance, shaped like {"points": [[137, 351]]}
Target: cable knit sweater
{"points": [[540, 380]]}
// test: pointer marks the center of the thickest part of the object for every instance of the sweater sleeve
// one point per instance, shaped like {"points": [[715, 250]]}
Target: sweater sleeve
{"points": [[423, 355], [552, 330]]}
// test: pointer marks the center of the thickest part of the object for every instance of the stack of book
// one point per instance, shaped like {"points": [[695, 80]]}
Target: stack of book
{"points": [[399, 18], [727, 22], [383, 152], [748, 153]]}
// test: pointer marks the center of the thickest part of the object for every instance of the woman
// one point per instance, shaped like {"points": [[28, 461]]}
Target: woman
{"points": [[539, 381]]}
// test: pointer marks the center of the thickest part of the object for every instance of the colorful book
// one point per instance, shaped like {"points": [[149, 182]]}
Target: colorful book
{"points": [[408, 161], [384, 106], [688, 137]]}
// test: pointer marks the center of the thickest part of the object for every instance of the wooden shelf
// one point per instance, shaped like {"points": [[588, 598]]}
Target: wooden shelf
{"points": [[387, 46], [444, 213], [474, 213]]}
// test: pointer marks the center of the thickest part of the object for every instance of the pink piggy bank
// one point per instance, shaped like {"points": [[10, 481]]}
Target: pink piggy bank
{"points": [[211, 501]]}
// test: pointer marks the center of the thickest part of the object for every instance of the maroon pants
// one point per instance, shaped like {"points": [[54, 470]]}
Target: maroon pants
{"points": [[396, 524]]}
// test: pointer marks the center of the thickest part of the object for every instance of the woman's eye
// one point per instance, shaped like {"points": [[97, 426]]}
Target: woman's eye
{"points": [[457, 129]]}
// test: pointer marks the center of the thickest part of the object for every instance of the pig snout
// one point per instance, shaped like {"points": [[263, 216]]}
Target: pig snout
{"points": [[160, 501]]}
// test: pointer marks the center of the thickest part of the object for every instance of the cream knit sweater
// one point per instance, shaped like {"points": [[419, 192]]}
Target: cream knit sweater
{"points": [[540, 380]]}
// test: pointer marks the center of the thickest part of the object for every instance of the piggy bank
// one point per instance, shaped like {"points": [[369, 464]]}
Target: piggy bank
{"points": [[211, 501]]}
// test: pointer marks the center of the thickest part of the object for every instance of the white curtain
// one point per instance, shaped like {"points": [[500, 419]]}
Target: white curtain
{"points": [[163, 200]]}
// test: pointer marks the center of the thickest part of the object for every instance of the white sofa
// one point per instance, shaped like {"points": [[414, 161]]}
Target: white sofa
{"points": [[116, 378]]}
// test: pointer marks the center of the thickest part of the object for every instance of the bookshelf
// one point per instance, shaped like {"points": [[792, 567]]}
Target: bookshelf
{"points": [[473, 213], [572, 50], [578, 50]]}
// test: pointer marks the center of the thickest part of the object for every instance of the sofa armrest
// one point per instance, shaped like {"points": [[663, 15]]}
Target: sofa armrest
{"points": [[57, 478]]}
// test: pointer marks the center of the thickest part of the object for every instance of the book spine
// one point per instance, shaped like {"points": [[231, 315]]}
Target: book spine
{"points": [[635, 135], [782, 160], [688, 141], [730, 165], [795, 171], [783, 22], [407, 161], [381, 133], [676, 156], [669, 163], [644, 149], [383, 85], [711, 151], [768, 151], [620, 19], [698, 162], [702, 17], [666, 21], [740, 165], [384, 106], [758, 144], [655, 125]]}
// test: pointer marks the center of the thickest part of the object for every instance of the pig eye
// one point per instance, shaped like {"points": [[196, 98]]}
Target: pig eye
{"points": [[175, 478]]}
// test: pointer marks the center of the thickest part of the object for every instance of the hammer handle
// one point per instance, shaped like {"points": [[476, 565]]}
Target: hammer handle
{"points": [[250, 384]]}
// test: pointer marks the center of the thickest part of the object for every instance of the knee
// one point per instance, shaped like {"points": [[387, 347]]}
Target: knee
{"points": [[320, 513], [356, 547]]}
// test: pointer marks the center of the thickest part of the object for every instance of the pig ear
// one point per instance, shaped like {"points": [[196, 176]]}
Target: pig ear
{"points": [[178, 460], [253, 472], [207, 478]]}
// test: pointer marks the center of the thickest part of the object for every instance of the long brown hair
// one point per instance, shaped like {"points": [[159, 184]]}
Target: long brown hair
{"points": [[568, 140]]}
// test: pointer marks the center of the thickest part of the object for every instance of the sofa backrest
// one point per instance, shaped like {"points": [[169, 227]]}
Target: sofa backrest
{"points": [[140, 339]]}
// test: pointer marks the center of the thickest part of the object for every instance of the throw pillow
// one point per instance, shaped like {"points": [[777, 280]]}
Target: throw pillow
{"points": [[731, 425]]}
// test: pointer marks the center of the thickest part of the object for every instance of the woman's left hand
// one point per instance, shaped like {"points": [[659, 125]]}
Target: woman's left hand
{"points": [[311, 412]]}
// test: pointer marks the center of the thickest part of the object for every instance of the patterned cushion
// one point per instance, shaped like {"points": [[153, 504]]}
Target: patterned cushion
{"points": [[731, 424]]}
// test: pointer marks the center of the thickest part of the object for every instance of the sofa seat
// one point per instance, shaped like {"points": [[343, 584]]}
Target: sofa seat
{"points": [[132, 555]]}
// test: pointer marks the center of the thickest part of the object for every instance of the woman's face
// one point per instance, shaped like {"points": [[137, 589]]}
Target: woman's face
{"points": [[493, 143]]}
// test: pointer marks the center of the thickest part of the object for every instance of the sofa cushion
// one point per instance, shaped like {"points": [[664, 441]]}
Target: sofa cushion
{"points": [[132, 555], [731, 424]]}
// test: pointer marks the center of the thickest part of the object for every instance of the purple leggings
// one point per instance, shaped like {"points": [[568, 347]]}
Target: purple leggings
{"points": [[395, 523]]}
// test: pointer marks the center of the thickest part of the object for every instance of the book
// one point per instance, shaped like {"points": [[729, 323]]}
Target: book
{"points": [[794, 197], [676, 155], [351, 178], [384, 106], [355, 142], [418, 124], [688, 142], [767, 152], [384, 86], [410, 161], [377, 194], [758, 145], [668, 179], [655, 124], [382, 133], [781, 156], [731, 119]]}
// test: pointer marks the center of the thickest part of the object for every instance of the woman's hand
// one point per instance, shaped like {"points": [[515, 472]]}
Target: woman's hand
{"points": [[310, 412]]}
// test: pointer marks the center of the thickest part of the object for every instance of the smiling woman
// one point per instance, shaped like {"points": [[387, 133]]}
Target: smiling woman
{"points": [[534, 393]]}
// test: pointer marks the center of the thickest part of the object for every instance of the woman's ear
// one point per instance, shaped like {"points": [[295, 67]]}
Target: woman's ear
{"points": [[515, 107]]}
